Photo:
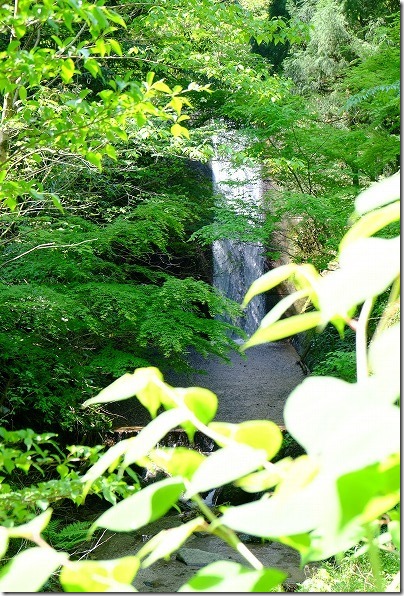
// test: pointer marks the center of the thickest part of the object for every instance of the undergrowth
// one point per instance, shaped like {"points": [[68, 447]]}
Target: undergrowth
{"points": [[352, 574]]}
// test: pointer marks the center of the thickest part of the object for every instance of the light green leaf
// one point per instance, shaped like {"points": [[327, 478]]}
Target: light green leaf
{"points": [[100, 47], [264, 479], [161, 86], [226, 576], [177, 461], [368, 493], [106, 461], [30, 569], [95, 158], [281, 307], [268, 281], [150, 77], [340, 422], [100, 576], [179, 131], [284, 328], [32, 528], [261, 434], [115, 18], [167, 541], [151, 434], [224, 466], [378, 194], [126, 386], [67, 70], [371, 223], [111, 151], [22, 92], [202, 402], [286, 515], [368, 267], [300, 542], [143, 507], [115, 45], [176, 104]]}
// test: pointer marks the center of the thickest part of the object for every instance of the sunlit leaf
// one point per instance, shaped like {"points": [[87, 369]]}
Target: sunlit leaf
{"points": [[100, 576], [268, 281], [368, 493], [371, 223], [340, 422], [115, 46], [179, 131], [151, 434], [299, 474], [261, 434], [176, 104], [300, 542], [67, 70], [227, 576], [32, 528], [160, 86], [264, 479], [168, 541], [126, 386], [107, 460], [143, 507], [177, 461], [378, 194], [295, 513], [280, 308], [395, 533], [224, 466], [202, 402], [368, 267], [284, 328], [30, 569]]}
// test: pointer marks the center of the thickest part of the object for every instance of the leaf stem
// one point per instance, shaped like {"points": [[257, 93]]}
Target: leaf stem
{"points": [[228, 535], [362, 368]]}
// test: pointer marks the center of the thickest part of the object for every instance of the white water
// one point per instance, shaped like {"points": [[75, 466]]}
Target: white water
{"points": [[237, 264]]}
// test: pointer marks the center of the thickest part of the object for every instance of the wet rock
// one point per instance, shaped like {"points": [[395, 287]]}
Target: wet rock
{"points": [[233, 495], [194, 557]]}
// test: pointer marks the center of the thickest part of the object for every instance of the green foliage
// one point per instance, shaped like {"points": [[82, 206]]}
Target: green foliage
{"points": [[67, 537], [353, 573], [109, 289], [58, 476]]}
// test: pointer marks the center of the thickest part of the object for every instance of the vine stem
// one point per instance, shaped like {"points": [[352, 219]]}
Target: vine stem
{"points": [[362, 368], [228, 535]]}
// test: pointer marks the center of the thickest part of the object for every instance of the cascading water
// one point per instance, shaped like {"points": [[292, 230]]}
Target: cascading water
{"points": [[236, 264]]}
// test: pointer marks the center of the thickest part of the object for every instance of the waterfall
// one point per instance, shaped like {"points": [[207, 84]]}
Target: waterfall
{"points": [[236, 264]]}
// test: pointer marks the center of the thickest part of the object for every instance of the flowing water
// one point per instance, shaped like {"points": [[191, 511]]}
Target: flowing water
{"points": [[236, 264]]}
